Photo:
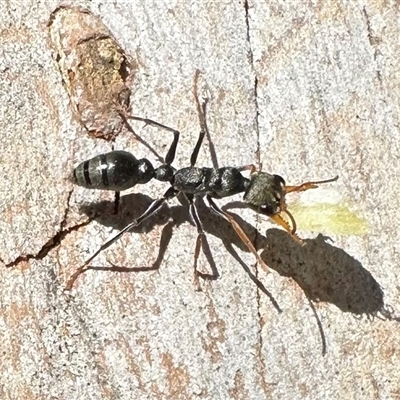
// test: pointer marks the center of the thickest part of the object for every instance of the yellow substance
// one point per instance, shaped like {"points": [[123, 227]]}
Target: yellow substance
{"points": [[328, 218]]}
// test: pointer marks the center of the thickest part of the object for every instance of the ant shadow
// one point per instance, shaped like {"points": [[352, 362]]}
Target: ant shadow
{"points": [[324, 272], [133, 205]]}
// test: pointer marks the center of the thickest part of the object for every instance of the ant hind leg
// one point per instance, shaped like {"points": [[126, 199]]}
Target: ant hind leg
{"points": [[169, 158], [151, 210]]}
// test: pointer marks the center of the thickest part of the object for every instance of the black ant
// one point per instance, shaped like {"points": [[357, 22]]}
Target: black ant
{"points": [[120, 170]]}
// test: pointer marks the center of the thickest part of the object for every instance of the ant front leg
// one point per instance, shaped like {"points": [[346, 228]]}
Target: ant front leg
{"points": [[239, 231], [151, 210]]}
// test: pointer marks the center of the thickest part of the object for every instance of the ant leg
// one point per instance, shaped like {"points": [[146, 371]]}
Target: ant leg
{"points": [[169, 158], [200, 234], [195, 153], [239, 231], [309, 185], [201, 112], [151, 210]]}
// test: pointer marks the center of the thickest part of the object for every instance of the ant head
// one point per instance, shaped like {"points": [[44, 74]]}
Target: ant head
{"points": [[265, 193]]}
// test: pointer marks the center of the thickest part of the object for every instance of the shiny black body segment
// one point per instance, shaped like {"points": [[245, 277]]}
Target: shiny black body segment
{"points": [[117, 171], [217, 183]]}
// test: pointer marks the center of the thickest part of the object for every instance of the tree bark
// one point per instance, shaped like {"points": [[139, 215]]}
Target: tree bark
{"points": [[310, 90]]}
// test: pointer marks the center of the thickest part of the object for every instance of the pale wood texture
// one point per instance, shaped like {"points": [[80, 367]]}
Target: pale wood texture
{"points": [[313, 87]]}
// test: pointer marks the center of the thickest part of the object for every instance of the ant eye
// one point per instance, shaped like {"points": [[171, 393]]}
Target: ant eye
{"points": [[280, 180]]}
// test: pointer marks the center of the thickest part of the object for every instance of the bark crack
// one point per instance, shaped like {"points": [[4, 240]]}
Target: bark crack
{"points": [[374, 41], [54, 241], [260, 343]]}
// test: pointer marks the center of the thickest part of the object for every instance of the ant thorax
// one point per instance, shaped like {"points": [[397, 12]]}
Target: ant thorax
{"points": [[216, 182], [265, 193]]}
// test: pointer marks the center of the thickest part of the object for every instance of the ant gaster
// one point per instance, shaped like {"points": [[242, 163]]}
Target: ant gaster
{"points": [[120, 170]]}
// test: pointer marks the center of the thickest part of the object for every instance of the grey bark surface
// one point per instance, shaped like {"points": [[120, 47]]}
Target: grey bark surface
{"points": [[311, 91]]}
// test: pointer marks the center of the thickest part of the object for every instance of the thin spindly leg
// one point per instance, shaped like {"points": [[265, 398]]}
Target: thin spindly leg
{"points": [[169, 158], [239, 231], [201, 111], [200, 235], [308, 185], [195, 153], [151, 210]]}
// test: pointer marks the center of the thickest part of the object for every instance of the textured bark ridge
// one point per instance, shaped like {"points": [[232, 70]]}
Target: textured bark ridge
{"points": [[96, 71]]}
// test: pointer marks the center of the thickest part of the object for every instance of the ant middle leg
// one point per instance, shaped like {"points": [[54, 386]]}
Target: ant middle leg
{"points": [[151, 210], [201, 242], [249, 167]]}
